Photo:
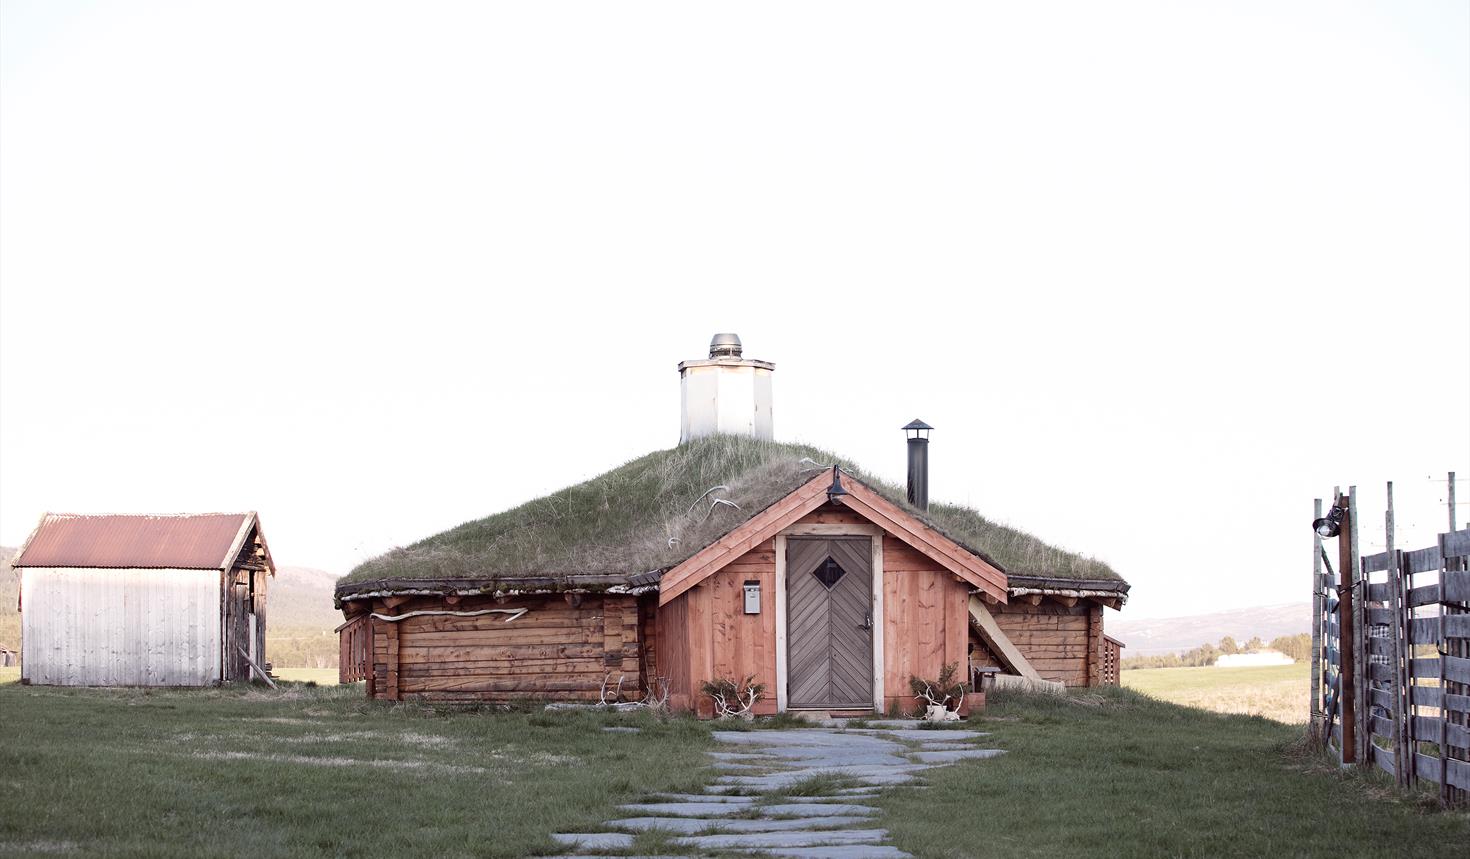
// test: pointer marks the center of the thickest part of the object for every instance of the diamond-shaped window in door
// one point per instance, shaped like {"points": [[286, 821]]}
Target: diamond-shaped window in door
{"points": [[828, 573]]}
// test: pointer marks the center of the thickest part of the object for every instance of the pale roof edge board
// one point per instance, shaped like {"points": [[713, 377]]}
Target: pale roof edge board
{"points": [[238, 543], [997, 641]]}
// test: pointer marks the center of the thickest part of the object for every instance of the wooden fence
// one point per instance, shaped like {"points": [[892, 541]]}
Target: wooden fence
{"points": [[1112, 657], [1411, 612], [355, 637]]}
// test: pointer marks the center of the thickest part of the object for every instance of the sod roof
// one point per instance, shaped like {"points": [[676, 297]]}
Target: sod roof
{"points": [[650, 514]]}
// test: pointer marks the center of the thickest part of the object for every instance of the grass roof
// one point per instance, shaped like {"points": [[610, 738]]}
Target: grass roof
{"points": [[655, 511]]}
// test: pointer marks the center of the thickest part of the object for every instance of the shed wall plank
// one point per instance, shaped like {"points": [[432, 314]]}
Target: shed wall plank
{"points": [[135, 627]]}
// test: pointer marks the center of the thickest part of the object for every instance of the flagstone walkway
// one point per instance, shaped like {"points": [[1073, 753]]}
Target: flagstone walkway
{"points": [[750, 808]]}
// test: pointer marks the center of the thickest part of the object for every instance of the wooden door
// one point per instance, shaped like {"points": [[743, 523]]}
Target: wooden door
{"points": [[237, 628], [829, 626]]}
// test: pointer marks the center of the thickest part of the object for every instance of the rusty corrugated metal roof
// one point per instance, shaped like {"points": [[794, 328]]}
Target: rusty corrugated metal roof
{"points": [[186, 542]]}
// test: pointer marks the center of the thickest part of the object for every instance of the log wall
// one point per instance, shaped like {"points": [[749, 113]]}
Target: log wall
{"points": [[557, 650], [1063, 643]]}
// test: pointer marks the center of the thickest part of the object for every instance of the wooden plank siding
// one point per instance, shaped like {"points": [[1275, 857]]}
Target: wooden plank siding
{"points": [[706, 634], [120, 627], [554, 651], [926, 625]]}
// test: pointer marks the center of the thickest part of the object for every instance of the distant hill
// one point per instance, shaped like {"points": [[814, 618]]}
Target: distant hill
{"points": [[299, 619], [9, 596], [1156, 636], [302, 596]]}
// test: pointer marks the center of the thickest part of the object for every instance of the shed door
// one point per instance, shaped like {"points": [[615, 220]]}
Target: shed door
{"points": [[829, 627]]}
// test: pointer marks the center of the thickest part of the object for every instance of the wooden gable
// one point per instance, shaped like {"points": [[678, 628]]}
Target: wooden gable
{"points": [[972, 568]]}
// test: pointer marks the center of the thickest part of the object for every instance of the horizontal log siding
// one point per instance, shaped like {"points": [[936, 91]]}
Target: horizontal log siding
{"points": [[554, 651], [1059, 642], [926, 622]]}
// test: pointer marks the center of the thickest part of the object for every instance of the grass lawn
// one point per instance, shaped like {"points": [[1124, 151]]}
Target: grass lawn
{"points": [[1113, 773], [314, 771], [1277, 692]]}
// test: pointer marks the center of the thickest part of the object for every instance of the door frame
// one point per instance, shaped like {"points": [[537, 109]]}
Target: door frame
{"points": [[830, 530]]}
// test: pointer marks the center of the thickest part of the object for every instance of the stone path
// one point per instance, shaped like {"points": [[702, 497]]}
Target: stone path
{"points": [[750, 807]]}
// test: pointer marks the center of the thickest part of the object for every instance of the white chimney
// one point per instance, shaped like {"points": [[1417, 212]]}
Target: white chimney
{"points": [[726, 393]]}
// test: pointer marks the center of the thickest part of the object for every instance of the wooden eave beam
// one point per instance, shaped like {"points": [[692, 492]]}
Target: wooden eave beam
{"points": [[937, 547], [761, 527]]}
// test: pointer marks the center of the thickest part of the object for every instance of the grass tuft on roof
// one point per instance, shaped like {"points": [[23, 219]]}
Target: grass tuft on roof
{"points": [[655, 511]]}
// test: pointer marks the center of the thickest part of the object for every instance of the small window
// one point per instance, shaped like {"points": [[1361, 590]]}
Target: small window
{"points": [[829, 573]]}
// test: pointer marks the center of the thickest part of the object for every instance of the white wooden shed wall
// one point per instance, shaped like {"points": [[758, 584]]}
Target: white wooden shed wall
{"points": [[120, 627]]}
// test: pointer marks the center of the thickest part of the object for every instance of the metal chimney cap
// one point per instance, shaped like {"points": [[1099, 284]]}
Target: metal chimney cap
{"points": [[916, 424], [725, 346]]}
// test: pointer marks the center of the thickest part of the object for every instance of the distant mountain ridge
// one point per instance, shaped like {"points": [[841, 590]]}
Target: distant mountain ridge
{"points": [[1156, 636]]}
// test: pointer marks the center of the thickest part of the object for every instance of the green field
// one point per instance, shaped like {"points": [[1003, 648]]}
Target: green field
{"points": [[319, 676], [1278, 692], [320, 771]]}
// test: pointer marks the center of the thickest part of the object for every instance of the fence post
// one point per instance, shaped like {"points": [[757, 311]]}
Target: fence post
{"points": [[1450, 645], [1349, 646], [1315, 711], [1393, 572], [1358, 597]]}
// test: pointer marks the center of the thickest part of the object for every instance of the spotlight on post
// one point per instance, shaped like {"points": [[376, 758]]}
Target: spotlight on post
{"points": [[1329, 525]]}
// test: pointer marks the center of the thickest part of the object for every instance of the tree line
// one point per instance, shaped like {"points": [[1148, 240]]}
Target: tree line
{"points": [[1298, 647]]}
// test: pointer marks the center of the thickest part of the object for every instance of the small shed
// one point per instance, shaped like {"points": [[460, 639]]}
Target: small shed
{"points": [[8, 657], [136, 600]]}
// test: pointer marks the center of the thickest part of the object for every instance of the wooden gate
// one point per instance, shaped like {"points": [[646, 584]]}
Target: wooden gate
{"points": [[829, 585], [1411, 704]]}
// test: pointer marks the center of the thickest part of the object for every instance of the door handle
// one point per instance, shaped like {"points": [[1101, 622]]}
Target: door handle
{"points": [[867, 620]]}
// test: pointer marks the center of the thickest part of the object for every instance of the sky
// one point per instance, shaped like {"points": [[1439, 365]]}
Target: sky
{"points": [[1158, 273]]}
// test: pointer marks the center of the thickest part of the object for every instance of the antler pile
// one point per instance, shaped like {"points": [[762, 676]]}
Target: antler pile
{"points": [[734, 700], [617, 693]]}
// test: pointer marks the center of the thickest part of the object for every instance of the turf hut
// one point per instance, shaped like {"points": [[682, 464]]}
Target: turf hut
{"points": [[731, 556], [143, 600]]}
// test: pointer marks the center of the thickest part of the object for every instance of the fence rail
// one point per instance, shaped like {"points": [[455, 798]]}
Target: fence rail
{"points": [[1412, 673]]}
